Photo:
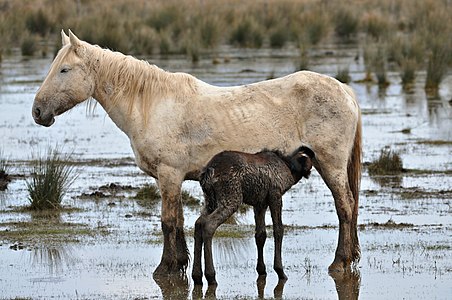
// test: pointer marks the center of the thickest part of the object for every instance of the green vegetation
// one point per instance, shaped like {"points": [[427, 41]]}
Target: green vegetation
{"points": [[149, 195], [189, 200], [414, 36], [388, 163], [4, 171], [343, 75], [148, 192], [51, 177]]}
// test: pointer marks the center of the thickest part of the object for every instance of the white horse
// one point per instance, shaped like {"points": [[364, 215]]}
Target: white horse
{"points": [[177, 123]]}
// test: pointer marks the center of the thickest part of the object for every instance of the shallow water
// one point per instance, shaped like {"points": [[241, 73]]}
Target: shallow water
{"points": [[411, 261]]}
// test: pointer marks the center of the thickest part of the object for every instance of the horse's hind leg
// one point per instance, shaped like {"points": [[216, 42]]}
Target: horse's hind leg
{"points": [[260, 237], [348, 245], [278, 233]]}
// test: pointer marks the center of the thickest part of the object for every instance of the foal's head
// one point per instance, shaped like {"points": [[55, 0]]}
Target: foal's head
{"points": [[301, 162], [69, 82]]}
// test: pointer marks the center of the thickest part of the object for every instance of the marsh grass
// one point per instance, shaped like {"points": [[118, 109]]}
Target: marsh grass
{"points": [[343, 75], [388, 163], [346, 23], [28, 46], [439, 58], [302, 62], [375, 60], [247, 33], [148, 195], [5, 168], [189, 200], [51, 176], [407, 51], [376, 26]]}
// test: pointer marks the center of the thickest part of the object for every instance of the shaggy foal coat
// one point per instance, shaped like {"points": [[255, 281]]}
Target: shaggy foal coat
{"points": [[232, 178]]}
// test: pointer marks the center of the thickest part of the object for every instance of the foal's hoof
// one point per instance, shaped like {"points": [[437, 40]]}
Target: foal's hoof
{"points": [[281, 275], [197, 280], [211, 280]]}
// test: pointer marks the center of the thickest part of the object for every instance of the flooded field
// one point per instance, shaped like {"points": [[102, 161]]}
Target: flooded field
{"points": [[105, 243]]}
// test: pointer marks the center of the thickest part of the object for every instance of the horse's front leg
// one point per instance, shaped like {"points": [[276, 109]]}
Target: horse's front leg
{"points": [[175, 252], [260, 236]]}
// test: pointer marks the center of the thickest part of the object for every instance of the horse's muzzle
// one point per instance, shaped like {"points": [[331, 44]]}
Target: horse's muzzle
{"points": [[42, 118]]}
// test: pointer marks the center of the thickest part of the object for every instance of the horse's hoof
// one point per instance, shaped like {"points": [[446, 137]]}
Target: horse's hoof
{"points": [[161, 269], [167, 268], [336, 267]]}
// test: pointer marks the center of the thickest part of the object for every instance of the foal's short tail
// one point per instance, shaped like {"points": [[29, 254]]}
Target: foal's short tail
{"points": [[206, 181], [354, 165]]}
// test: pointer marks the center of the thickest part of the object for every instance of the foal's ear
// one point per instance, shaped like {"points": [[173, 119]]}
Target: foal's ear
{"points": [[64, 38]]}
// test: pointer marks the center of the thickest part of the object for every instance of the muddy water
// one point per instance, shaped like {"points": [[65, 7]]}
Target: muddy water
{"points": [[405, 222]]}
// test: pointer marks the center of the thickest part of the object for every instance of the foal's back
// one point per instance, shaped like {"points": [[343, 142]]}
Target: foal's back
{"points": [[253, 175]]}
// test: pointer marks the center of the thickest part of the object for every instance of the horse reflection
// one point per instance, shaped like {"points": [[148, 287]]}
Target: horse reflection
{"points": [[347, 284], [277, 291], [174, 286]]}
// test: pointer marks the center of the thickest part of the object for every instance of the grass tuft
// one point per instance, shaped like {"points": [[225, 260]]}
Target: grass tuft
{"points": [[149, 192], [389, 162], [343, 75], [51, 177], [4, 171], [346, 23], [28, 46]]}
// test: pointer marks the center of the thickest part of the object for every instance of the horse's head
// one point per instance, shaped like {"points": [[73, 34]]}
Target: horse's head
{"points": [[69, 82]]}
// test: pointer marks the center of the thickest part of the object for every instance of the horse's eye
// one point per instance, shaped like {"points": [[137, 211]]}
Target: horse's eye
{"points": [[64, 70]]}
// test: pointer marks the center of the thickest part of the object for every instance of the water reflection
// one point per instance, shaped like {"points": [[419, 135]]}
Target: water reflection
{"points": [[52, 258], [347, 284], [277, 291], [177, 287], [174, 286], [210, 292], [391, 181]]}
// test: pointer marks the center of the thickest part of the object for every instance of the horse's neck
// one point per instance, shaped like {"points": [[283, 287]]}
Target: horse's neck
{"points": [[125, 114]]}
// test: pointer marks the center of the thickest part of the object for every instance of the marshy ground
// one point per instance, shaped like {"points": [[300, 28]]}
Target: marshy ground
{"points": [[105, 242]]}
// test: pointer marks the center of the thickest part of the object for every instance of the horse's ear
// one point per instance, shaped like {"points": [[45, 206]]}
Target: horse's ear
{"points": [[64, 38], [75, 42]]}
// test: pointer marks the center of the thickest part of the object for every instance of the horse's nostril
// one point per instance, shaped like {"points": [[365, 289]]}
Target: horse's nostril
{"points": [[37, 112]]}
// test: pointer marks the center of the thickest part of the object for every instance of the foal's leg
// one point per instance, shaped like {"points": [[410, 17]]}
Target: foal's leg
{"points": [[260, 237], [175, 253], [278, 233], [197, 269], [215, 219]]}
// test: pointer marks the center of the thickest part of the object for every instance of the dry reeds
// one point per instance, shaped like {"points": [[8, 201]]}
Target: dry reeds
{"points": [[190, 27]]}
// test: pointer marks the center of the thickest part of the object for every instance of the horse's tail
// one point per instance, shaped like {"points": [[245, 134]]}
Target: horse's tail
{"points": [[354, 164]]}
